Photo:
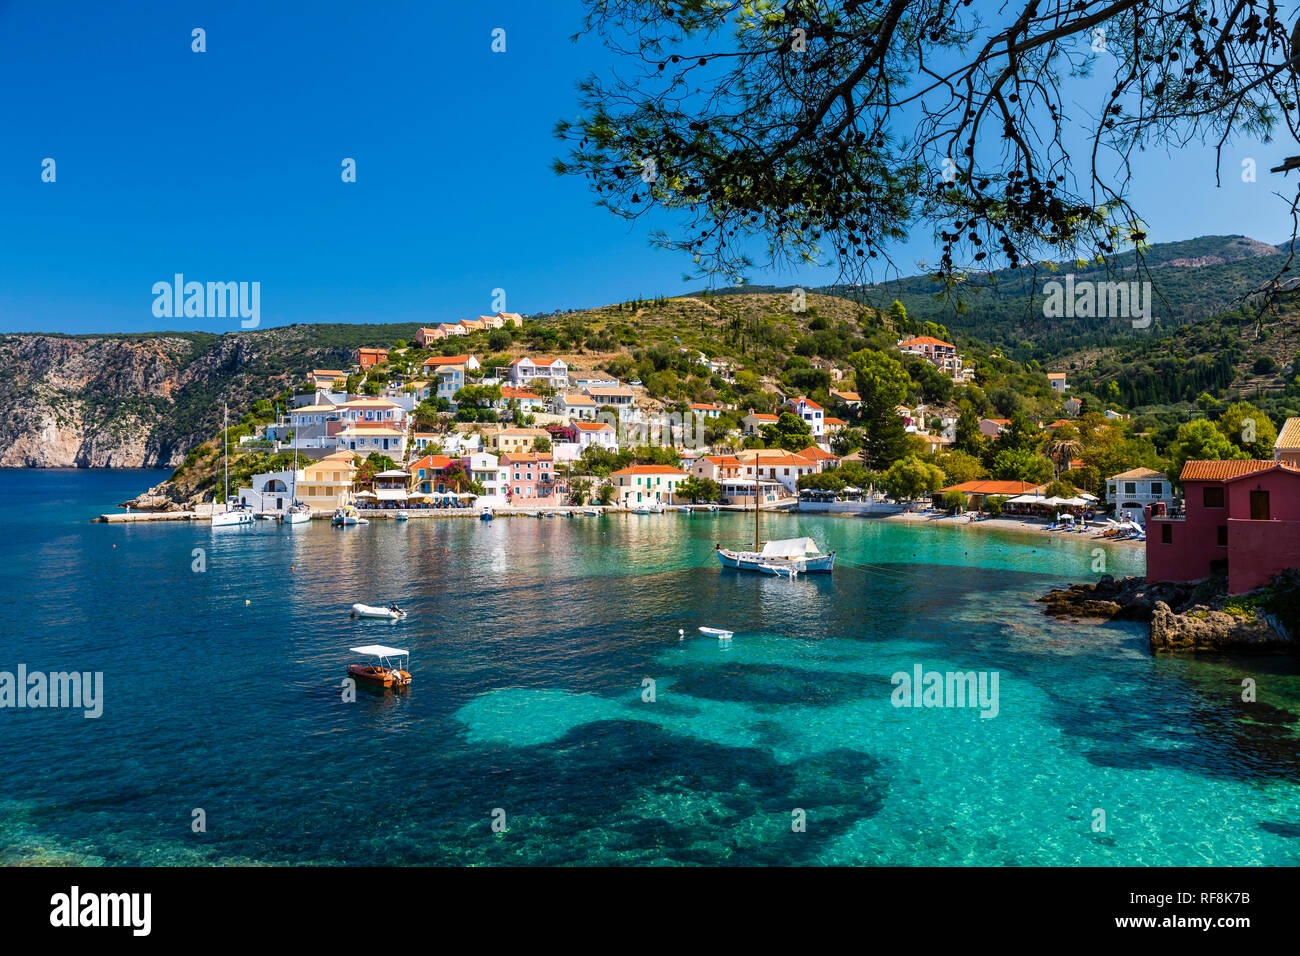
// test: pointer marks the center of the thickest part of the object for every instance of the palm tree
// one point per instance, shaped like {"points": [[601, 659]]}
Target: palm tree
{"points": [[579, 487], [1062, 452]]}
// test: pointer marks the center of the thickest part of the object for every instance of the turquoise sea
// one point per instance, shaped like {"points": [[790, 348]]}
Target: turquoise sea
{"points": [[530, 644]]}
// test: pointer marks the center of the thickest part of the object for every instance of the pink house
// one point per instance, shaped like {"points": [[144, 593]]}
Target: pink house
{"points": [[1240, 515], [533, 481]]}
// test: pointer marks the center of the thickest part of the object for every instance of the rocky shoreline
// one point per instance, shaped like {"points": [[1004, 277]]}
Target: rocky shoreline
{"points": [[1199, 615]]}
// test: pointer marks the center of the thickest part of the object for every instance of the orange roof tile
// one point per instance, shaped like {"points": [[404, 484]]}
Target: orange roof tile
{"points": [[433, 462], [1221, 470], [1289, 436], [992, 487]]}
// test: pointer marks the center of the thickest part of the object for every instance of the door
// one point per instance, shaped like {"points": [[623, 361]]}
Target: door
{"points": [[1259, 506]]}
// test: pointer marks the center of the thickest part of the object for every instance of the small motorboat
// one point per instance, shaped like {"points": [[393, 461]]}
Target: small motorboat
{"points": [[390, 613], [592, 512], [485, 515], [346, 517], [299, 514], [389, 669], [401, 516], [717, 632]]}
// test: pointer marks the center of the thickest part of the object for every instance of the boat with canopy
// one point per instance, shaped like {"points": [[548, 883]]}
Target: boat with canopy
{"points": [[389, 668], [786, 557]]}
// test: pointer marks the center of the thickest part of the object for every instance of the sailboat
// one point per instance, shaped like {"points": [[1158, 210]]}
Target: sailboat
{"points": [[785, 558], [237, 514], [298, 513]]}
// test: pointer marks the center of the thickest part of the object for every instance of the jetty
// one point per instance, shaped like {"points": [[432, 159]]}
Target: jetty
{"points": [[122, 517]]}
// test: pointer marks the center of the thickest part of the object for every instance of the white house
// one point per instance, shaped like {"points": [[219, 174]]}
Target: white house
{"points": [[272, 491], [1131, 491], [1057, 381], [450, 379], [370, 410], [752, 424], [619, 397], [647, 484], [582, 383], [707, 410], [810, 412], [524, 370], [528, 401], [574, 405], [488, 471], [367, 437], [596, 433]]}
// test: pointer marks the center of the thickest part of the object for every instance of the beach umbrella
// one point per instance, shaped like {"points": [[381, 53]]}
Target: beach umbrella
{"points": [[365, 494]]}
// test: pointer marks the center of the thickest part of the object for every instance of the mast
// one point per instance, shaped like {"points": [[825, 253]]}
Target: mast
{"points": [[758, 500], [295, 468], [225, 453]]}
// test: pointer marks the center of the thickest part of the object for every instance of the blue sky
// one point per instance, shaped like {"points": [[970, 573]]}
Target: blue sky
{"points": [[225, 166]]}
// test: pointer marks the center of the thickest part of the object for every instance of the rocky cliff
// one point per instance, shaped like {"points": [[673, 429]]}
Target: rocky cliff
{"points": [[132, 401]]}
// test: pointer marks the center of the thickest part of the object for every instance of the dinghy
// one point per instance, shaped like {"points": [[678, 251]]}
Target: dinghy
{"points": [[390, 613], [717, 632]]}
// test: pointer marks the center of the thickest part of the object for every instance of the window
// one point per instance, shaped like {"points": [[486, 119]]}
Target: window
{"points": [[1166, 533], [1130, 487], [1223, 535], [1212, 497], [1157, 489]]}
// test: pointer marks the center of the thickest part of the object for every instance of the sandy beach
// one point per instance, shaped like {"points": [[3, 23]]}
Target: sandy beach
{"points": [[1006, 524]]}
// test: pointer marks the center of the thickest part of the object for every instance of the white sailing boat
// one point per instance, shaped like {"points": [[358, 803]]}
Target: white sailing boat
{"points": [[298, 513], [235, 514], [786, 558]]}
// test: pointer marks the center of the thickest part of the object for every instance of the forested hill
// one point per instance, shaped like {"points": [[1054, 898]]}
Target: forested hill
{"points": [[1193, 279]]}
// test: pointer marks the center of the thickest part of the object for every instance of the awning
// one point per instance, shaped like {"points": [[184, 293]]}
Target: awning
{"points": [[789, 548], [380, 650]]}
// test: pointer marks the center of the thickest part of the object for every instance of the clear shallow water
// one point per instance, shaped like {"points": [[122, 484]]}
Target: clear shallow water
{"points": [[530, 642]]}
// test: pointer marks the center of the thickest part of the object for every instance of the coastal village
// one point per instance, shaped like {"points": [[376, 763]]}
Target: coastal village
{"points": [[442, 427]]}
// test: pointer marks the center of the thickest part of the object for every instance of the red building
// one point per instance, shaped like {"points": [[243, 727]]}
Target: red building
{"points": [[1240, 515], [367, 358]]}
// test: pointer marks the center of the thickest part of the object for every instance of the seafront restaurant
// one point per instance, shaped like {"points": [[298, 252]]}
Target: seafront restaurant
{"points": [[1240, 516], [740, 491], [977, 492]]}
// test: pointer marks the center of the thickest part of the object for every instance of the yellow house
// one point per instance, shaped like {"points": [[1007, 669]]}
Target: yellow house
{"points": [[513, 441], [327, 483]]}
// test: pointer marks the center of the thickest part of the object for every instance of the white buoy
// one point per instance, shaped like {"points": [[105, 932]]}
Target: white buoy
{"points": [[680, 634]]}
